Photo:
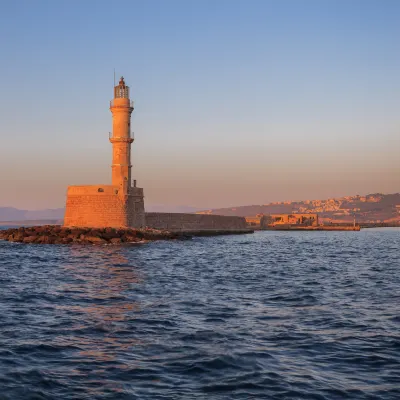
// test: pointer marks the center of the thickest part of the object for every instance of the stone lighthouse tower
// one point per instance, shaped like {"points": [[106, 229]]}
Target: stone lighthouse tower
{"points": [[121, 203], [121, 107]]}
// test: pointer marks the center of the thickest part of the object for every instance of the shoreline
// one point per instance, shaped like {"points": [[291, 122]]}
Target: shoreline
{"points": [[312, 228]]}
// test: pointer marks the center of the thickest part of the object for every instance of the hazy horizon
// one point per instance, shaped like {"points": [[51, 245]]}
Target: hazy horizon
{"points": [[189, 208], [236, 103]]}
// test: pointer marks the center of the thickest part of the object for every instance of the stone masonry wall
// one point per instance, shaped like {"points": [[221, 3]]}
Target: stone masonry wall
{"points": [[194, 222], [136, 216], [95, 206], [104, 206]]}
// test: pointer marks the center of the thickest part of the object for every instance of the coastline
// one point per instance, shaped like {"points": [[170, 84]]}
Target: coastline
{"points": [[312, 228]]}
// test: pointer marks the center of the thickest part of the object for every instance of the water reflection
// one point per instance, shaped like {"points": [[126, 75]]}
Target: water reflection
{"points": [[101, 274], [99, 284]]}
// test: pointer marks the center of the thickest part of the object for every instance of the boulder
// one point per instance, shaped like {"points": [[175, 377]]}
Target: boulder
{"points": [[95, 239], [109, 235], [30, 239], [132, 238], [57, 229], [16, 237], [43, 239]]}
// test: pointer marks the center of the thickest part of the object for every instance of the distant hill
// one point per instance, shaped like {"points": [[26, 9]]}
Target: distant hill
{"points": [[376, 207], [14, 214]]}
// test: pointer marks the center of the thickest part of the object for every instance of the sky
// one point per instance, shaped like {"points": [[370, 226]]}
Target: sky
{"points": [[237, 102]]}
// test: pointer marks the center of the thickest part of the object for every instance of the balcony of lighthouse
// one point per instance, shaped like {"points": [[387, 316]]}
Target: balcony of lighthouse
{"points": [[125, 103]]}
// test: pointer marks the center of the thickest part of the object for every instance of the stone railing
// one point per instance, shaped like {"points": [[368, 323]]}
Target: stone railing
{"points": [[113, 104]]}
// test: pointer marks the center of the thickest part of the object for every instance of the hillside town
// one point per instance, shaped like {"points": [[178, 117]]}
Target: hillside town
{"points": [[371, 208]]}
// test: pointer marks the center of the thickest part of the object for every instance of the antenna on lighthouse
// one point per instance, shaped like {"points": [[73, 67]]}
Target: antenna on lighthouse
{"points": [[114, 78]]}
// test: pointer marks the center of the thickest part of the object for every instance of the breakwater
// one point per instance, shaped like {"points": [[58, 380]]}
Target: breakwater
{"points": [[182, 222], [54, 234]]}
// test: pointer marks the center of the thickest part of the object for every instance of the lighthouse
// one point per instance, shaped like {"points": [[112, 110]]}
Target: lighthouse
{"points": [[121, 204], [121, 108]]}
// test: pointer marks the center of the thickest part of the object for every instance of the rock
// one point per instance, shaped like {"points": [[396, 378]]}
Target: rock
{"points": [[57, 229], [95, 239], [52, 238], [29, 239], [55, 234], [94, 233], [121, 232], [16, 237], [131, 238], [139, 234], [42, 239], [109, 235]]}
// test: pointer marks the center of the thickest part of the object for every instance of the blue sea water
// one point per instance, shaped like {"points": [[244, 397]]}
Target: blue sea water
{"points": [[274, 315]]}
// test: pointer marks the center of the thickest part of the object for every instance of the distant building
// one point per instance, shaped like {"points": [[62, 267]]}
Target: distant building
{"points": [[264, 221], [293, 219], [254, 221]]}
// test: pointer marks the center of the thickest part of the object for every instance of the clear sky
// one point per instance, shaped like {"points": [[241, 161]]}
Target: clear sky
{"points": [[236, 101]]}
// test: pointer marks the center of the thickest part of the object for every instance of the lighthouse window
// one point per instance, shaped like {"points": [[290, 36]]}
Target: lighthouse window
{"points": [[100, 190]]}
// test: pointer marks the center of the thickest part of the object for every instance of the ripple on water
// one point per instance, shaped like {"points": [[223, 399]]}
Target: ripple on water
{"points": [[277, 315]]}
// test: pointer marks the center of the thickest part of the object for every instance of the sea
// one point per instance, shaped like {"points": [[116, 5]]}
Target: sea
{"points": [[269, 315]]}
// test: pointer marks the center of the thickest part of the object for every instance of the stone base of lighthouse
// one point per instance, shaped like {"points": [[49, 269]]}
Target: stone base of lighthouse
{"points": [[103, 206]]}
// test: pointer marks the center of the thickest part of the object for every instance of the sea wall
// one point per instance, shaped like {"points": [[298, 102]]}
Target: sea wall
{"points": [[175, 222]]}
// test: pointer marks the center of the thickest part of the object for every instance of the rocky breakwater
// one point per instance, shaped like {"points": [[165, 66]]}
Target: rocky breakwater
{"points": [[54, 234]]}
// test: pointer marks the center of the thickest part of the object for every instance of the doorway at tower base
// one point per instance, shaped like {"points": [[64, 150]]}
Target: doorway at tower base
{"points": [[103, 206]]}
